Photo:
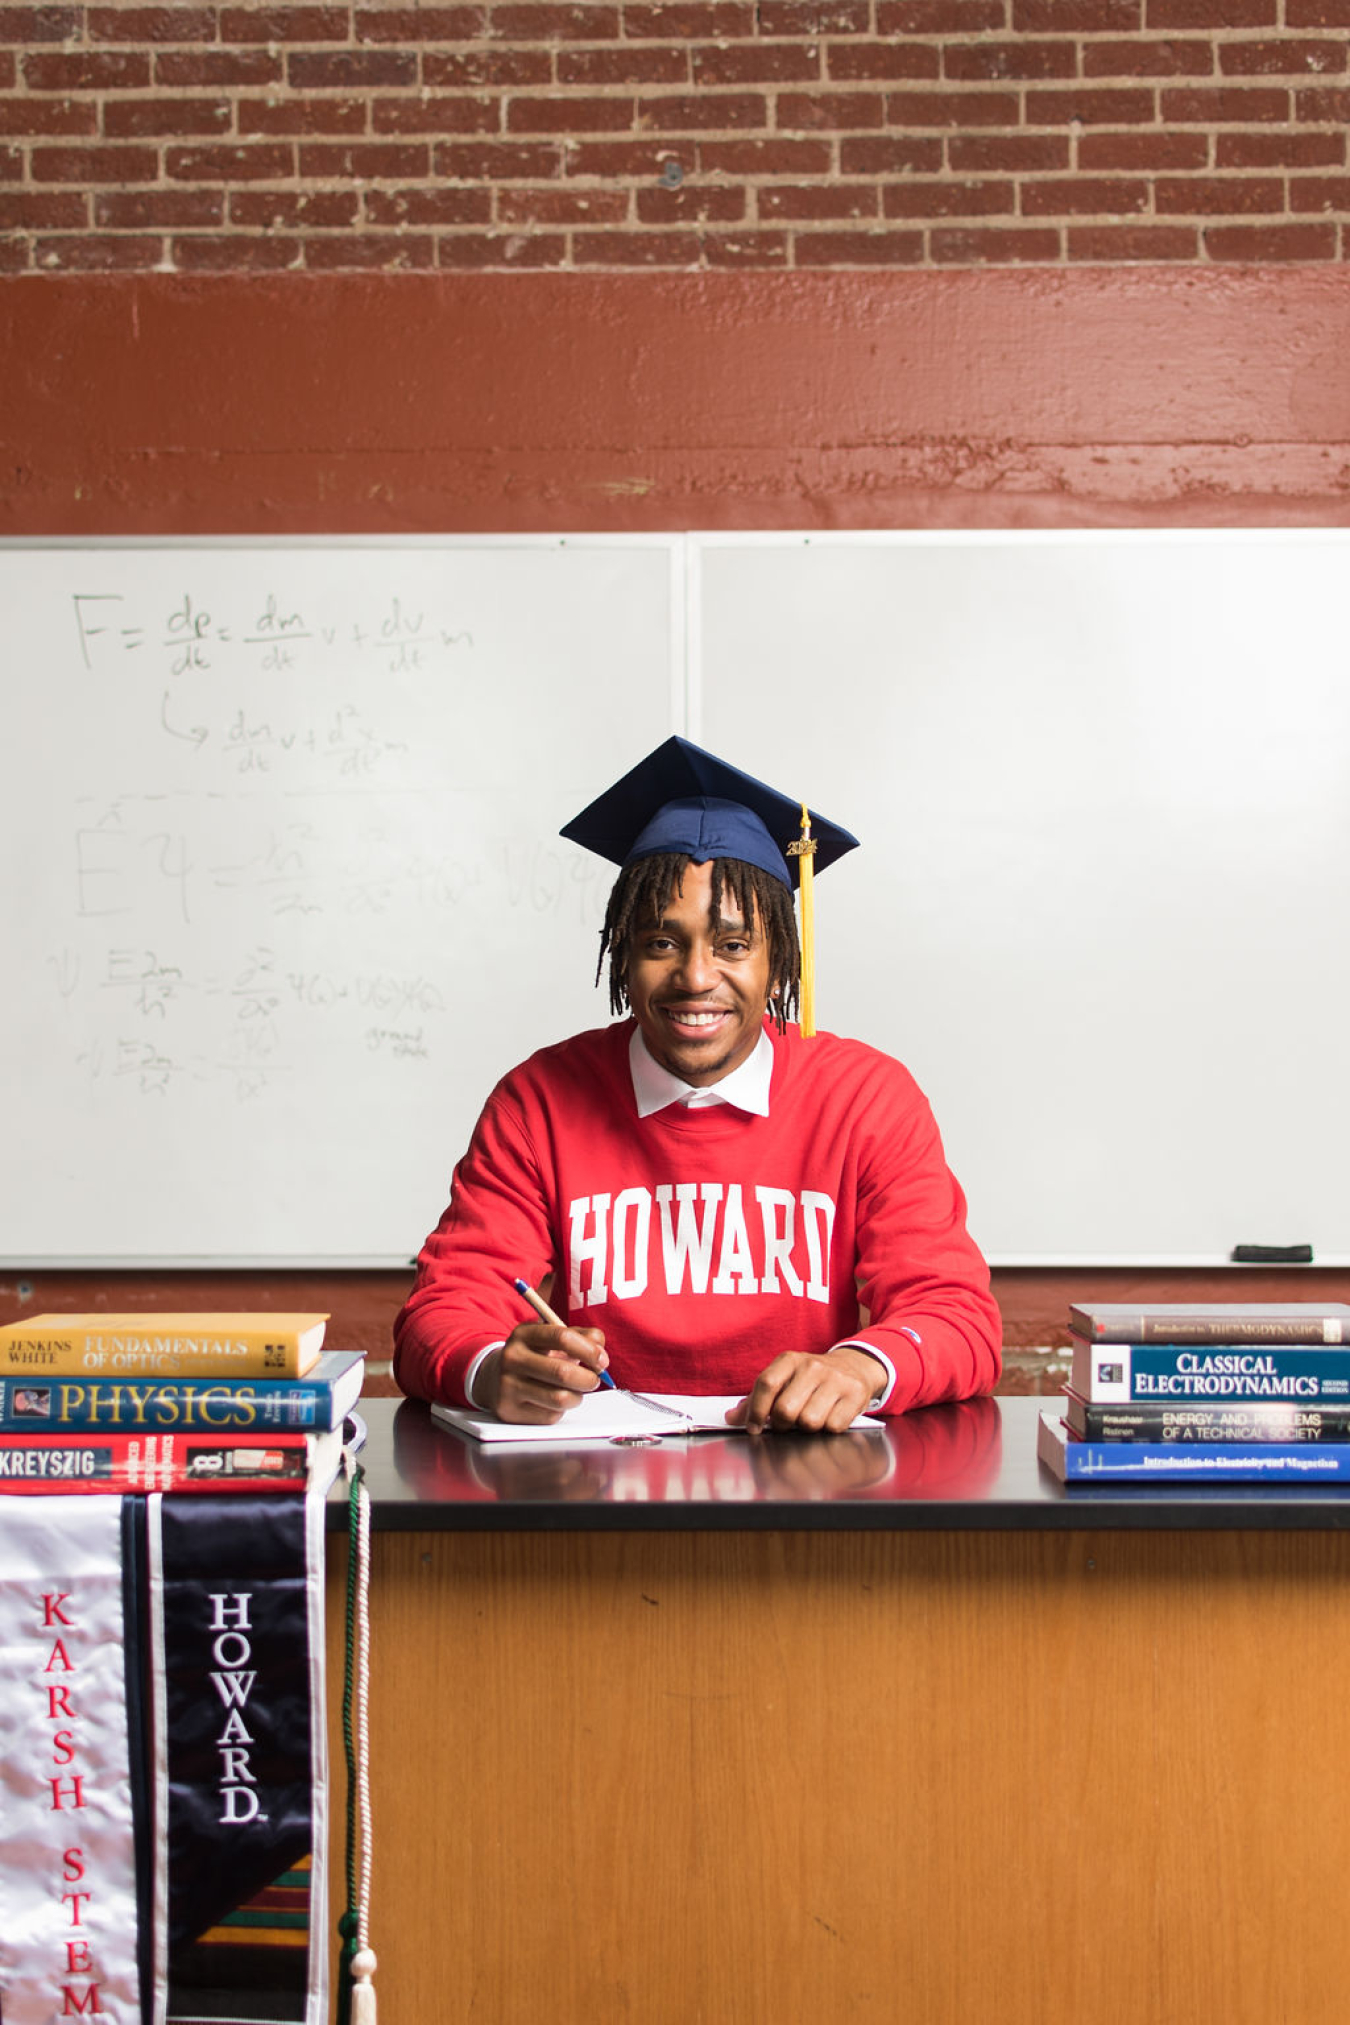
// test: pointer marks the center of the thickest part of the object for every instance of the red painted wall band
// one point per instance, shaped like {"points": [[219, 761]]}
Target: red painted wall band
{"points": [[154, 404]]}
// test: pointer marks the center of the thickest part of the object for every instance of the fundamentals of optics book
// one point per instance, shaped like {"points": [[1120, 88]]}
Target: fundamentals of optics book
{"points": [[246, 1345]]}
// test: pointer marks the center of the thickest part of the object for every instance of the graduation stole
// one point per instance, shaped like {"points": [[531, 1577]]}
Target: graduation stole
{"points": [[163, 1819]]}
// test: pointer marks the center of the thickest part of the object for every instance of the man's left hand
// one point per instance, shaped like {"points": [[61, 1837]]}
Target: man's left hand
{"points": [[816, 1394]]}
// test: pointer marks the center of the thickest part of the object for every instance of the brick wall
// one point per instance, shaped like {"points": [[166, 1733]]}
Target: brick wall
{"points": [[696, 134]]}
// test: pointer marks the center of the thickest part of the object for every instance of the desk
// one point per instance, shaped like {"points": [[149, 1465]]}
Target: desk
{"points": [[731, 1732]]}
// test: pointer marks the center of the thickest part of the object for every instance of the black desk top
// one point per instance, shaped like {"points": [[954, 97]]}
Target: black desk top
{"points": [[944, 1468]]}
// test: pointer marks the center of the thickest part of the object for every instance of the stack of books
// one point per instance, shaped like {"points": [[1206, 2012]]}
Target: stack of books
{"points": [[1226, 1393], [191, 1402]]}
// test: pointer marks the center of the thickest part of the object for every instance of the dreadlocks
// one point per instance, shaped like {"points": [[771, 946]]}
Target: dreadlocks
{"points": [[643, 891]]}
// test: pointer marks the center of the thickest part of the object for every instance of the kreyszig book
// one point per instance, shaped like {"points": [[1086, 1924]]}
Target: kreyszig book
{"points": [[46, 1405], [244, 1345], [119, 1463], [1141, 1462]]}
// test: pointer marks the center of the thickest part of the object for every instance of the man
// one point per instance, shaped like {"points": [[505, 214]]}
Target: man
{"points": [[706, 1192]]}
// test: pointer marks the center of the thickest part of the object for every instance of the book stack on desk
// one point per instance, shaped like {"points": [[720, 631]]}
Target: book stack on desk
{"points": [[159, 1402], [1224, 1393]]}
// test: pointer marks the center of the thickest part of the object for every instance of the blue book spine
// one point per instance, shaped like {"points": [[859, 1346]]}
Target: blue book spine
{"points": [[1176, 1374], [1148, 1462], [46, 1405]]}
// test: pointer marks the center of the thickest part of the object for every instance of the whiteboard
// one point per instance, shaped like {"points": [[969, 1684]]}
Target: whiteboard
{"points": [[1103, 908], [286, 894]]}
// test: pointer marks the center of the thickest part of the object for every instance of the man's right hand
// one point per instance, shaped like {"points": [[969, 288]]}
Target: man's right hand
{"points": [[540, 1373]]}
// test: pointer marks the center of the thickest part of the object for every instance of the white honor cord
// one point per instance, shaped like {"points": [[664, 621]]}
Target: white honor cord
{"points": [[363, 1963]]}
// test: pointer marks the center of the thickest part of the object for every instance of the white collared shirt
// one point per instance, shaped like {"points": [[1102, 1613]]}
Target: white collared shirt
{"points": [[747, 1087]]}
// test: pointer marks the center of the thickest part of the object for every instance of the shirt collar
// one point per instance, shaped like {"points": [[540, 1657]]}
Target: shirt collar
{"points": [[747, 1088]]}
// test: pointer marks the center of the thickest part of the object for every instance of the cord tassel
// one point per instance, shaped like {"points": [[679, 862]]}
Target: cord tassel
{"points": [[804, 851], [356, 1993], [363, 1990]]}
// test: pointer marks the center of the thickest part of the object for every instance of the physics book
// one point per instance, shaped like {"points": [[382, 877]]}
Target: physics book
{"points": [[43, 1405], [162, 1346], [1145, 1462]]}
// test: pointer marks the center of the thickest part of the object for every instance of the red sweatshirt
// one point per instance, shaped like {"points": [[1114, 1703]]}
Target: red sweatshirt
{"points": [[705, 1242]]}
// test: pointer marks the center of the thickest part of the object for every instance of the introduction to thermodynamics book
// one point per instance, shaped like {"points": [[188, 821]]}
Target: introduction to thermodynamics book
{"points": [[1213, 1322]]}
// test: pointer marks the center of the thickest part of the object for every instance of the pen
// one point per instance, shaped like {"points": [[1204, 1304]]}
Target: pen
{"points": [[546, 1314]]}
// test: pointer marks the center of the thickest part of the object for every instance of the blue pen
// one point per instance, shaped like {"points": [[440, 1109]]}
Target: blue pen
{"points": [[546, 1314]]}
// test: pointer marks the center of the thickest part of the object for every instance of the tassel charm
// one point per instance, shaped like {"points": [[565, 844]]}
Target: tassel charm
{"points": [[355, 1990], [804, 850], [363, 1989]]}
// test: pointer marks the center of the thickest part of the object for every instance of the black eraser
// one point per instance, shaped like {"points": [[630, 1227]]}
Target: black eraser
{"points": [[1271, 1255]]}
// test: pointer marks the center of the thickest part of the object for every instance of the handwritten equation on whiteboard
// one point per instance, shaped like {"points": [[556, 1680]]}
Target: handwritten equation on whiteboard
{"points": [[192, 637], [208, 655], [288, 816], [210, 943], [169, 860], [169, 1023]]}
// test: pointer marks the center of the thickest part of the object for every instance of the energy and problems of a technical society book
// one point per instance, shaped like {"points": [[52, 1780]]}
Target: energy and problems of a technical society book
{"points": [[45, 1405], [1154, 1463], [1240, 1420], [119, 1463], [245, 1345], [1215, 1322]]}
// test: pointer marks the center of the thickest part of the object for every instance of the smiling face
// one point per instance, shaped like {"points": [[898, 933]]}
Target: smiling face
{"points": [[699, 989]]}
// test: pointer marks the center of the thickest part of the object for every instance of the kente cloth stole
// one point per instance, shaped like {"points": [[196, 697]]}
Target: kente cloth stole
{"points": [[163, 1774]]}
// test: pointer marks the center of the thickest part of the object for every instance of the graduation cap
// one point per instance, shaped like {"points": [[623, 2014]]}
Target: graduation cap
{"points": [[683, 799]]}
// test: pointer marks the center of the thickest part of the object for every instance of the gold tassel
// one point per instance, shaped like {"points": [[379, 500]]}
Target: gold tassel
{"points": [[805, 850]]}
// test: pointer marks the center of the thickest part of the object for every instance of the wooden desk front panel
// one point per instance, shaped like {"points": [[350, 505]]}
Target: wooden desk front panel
{"points": [[733, 1778]]}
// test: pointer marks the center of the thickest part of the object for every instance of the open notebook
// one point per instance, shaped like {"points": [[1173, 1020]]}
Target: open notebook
{"points": [[613, 1416]]}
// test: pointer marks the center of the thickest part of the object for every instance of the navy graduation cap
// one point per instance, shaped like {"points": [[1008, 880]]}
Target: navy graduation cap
{"points": [[683, 799]]}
